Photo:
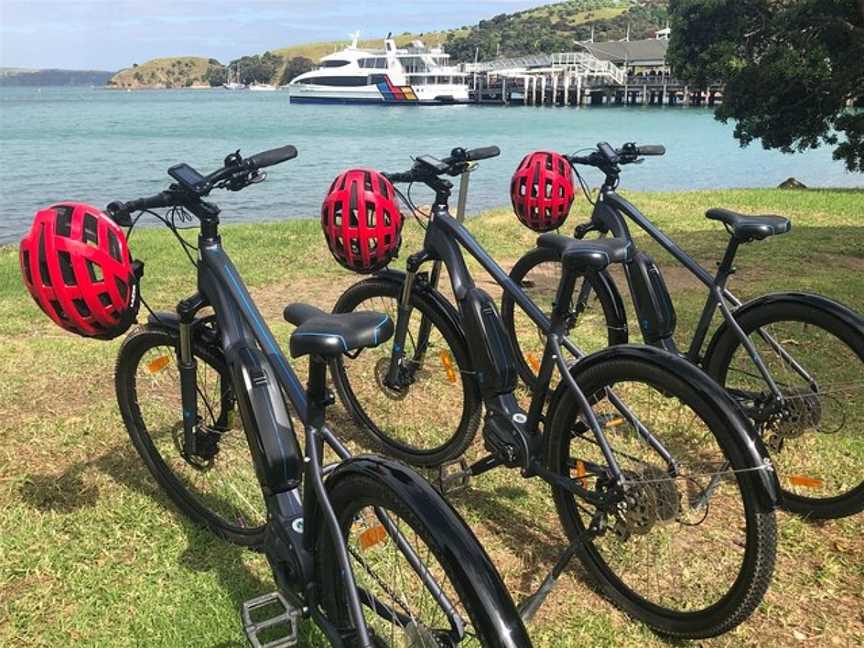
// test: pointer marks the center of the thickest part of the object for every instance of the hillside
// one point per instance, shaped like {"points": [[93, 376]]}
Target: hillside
{"points": [[556, 27], [172, 72], [546, 28], [52, 77]]}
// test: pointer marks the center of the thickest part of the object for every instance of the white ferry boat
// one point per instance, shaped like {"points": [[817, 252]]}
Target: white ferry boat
{"points": [[411, 75]]}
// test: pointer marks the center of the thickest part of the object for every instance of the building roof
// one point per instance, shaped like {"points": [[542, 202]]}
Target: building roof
{"points": [[650, 50]]}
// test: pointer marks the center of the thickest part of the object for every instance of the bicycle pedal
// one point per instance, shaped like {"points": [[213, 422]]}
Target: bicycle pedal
{"points": [[453, 477], [280, 629]]}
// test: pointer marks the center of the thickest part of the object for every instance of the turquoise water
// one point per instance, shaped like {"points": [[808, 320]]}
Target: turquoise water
{"points": [[99, 145]]}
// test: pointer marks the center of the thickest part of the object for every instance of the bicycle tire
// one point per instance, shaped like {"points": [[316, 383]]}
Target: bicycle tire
{"points": [[463, 563], [718, 366], [470, 402], [195, 506], [616, 328], [755, 566]]}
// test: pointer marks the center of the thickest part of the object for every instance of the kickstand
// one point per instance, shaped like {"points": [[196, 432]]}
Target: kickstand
{"points": [[528, 608]]}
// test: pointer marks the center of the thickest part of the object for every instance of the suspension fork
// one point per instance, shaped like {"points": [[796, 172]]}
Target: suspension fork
{"points": [[188, 366], [435, 277]]}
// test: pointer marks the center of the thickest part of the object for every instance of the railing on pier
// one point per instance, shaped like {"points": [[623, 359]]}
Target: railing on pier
{"points": [[586, 65]]}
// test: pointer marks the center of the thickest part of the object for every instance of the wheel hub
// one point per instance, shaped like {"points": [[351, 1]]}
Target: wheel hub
{"points": [[382, 368]]}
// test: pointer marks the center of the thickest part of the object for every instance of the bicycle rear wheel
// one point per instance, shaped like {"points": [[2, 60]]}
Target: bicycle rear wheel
{"points": [[217, 489], [690, 555], [817, 438], [399, 608]]}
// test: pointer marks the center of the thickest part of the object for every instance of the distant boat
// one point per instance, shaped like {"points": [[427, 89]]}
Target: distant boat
{"points": [[262, 87], [411, 75], [235, 83]]}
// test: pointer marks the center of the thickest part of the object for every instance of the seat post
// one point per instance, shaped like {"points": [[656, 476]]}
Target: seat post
{"points": [[318, 395], [725, 267]]}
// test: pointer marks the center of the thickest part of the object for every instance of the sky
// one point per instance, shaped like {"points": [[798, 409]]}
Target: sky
{"points": [[113, 34]]}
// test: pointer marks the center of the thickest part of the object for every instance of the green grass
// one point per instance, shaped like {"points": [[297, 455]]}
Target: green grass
{"points": [[91, 553]]}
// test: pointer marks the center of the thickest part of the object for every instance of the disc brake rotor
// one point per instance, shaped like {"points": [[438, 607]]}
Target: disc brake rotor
{"points": [[382, 368]]}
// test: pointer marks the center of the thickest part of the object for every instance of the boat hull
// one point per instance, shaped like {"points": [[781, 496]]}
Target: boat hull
{"points": [[384, 93]]}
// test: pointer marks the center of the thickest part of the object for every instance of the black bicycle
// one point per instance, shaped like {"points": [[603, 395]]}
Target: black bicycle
{"points": [[793, 361], [664, 493], [365, 547]]}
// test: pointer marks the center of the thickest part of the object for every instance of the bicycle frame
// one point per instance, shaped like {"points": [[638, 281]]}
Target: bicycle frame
{"points": [[607, 217], [445, 236], [260, 373]]}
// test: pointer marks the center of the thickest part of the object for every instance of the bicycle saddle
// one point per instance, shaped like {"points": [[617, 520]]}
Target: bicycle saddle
{"points": [[748, 228], [326, 334], [581, 255]]}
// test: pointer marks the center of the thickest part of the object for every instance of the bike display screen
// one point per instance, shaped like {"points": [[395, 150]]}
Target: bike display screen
{"points": [[186, 176]]}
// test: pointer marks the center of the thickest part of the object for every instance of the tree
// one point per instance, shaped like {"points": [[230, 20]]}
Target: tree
{"points": [[295, 67], [790, 68]]}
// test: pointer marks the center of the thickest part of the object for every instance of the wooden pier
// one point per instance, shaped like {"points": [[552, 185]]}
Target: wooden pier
{"points": [[551, 89], [613, 73]]}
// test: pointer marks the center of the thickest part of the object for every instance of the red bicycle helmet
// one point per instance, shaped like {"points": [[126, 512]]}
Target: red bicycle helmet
{"points": [[542, 191], [361, 220], [75, 263]]}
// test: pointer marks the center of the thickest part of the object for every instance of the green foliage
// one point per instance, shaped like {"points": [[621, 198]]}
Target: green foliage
{"points": [[789, 69], [257, 69], [295, 67], [216, 73], [557, 27]]}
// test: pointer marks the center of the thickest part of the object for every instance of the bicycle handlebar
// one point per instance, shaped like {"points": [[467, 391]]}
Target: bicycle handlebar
{"points": [[607, 157], [428, 169], [271, 157], [236, 174]]}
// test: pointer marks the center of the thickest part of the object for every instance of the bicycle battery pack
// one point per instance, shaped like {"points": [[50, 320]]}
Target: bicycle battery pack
{"points": [[490, 347], [651, 298], [268, 426]]}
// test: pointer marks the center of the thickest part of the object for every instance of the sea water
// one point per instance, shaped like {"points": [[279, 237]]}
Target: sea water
{"points": [[97, 145]]}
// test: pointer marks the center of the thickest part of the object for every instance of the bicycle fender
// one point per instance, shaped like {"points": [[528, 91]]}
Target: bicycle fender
{"points": [[170, 321], [268, 427], [749, 444], [449, 532], [833, 308]]}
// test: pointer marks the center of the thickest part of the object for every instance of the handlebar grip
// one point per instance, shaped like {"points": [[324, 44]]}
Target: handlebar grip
{"points": [[651, 149], [396, 178], [482, 153], [269, 158]]}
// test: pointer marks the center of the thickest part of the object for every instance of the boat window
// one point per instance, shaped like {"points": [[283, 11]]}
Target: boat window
{"points": [[413, 64], [375, 63], [333, 64], [335, 80]]}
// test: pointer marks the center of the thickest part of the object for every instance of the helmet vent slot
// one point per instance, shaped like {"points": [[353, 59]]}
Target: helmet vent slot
{"points": [[95, 272], [63, 223], [91, 229], [370, 214], [25, 262], [43, 264], [113, 246], [66, 268], [59, 310], [105, 299], [81, 307], [121, 288]]}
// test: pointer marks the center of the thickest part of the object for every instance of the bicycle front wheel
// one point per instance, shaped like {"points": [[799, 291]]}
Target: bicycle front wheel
{"points": [[817, 438], [216, 489], [432, 415], [689, 552], [452, 597]]}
